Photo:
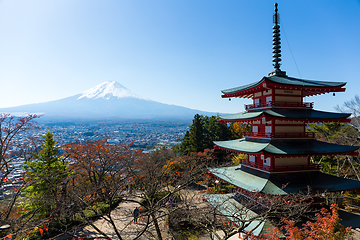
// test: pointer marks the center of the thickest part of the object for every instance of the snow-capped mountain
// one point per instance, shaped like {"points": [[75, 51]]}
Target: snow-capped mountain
{"points": [[106, 101], [108, 90]]}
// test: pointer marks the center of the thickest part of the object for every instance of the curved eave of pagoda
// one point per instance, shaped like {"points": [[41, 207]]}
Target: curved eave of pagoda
{"points": [[308, 87], [303, 115], [285, 148], [283, 184]]}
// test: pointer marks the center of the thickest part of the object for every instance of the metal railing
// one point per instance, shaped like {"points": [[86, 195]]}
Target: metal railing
{"points": [[279, 135], [279, 105], [280, 168]]}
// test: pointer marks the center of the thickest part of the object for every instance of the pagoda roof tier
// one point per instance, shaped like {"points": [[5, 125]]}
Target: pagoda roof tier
{"points": [[284, 148], [309, 87], [304, 115], [283, 184]]}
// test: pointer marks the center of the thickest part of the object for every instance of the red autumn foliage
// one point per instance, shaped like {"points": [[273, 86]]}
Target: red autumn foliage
{"points": [[326, 227]]}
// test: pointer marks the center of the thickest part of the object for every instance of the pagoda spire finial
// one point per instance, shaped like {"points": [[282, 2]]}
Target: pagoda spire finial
{"points": [[276, 45]]}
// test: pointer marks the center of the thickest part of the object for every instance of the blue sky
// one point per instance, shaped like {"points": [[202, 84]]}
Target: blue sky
{"points": [[180, 52]]}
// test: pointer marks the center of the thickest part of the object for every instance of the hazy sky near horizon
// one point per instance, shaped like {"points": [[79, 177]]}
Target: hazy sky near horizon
{"points": [[180, 52]]}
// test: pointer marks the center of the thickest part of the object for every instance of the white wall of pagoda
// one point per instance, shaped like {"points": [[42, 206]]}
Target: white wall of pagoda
{"points": [[270, 96], [277, 164]]}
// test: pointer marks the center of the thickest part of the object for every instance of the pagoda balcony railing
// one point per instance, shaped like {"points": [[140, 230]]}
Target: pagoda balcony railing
{"points": [[279, 105], [268, 200], [279, 135], [280, 168]]}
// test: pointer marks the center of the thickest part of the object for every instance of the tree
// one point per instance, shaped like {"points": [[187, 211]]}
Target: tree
{"points": [[11, 136], [203, 131], [227, 214], [164, 180], [196, 135], [99, 166], [106, 172], [237, 158], [352, 106], [46, 178], [335, 132], [102, 172], [10, 130], [215, 131], [338, 133], [238, 129], [326, 227]]}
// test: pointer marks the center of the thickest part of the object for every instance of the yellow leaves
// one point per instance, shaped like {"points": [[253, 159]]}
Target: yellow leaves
{"points": [[176, 165], [237, 159], [238, 129]]}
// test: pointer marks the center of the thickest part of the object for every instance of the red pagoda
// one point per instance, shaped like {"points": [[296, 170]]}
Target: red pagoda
{"points": [[278, 148]]}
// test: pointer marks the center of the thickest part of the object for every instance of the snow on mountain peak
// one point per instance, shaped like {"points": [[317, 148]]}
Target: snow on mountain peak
{"points": [[108, 90]]}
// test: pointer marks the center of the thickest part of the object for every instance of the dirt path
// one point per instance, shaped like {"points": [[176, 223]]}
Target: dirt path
{"points": [[123, 219]]}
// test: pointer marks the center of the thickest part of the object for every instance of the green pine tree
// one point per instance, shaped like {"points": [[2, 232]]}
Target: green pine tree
{"points": [[203, 131], [46, 176], [196, 134]]}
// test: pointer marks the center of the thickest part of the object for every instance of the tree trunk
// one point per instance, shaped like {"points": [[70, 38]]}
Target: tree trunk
{"points": [[156, 224]]}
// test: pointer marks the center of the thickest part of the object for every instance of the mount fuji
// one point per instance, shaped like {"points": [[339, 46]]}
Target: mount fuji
{"points": [[106, 101]]}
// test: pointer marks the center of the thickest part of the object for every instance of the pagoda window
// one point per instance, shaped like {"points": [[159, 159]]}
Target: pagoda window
{"points": [[256, 102], [267, 161], [268, 129], [252, 158], [263, 120], [255, 129], [268, 99]]}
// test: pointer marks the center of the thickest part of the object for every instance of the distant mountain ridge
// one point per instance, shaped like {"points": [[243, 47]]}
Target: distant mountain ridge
{"points": [[106, 101]]}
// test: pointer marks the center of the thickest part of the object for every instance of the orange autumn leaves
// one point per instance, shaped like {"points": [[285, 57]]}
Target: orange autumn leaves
{"points": [[325, 227]]}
